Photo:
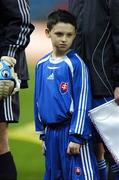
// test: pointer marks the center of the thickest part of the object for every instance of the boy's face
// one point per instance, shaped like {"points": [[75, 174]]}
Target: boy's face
{"points": [[62, 36]]}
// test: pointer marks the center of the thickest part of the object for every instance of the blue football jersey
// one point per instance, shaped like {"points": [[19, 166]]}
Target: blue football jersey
{"points": [[62, 92]]}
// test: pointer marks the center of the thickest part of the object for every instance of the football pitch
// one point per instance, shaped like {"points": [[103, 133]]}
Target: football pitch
{"points": [[24, 143]]}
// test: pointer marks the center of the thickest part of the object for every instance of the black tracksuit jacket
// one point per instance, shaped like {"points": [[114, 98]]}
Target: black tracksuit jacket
{"points": [[15, 30], [97, 41]]}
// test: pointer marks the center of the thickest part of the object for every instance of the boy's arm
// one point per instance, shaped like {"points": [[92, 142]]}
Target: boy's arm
{"points": [[80, 128], [38, 123]]}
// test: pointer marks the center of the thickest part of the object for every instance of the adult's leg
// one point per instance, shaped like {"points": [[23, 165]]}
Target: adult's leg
{"points": [[4, 147], [7, 165], [9, 113], [113, 167], [102, 164]]}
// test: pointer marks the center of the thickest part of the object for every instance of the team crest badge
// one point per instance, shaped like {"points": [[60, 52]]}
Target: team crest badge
{"points": [[64, 87], [78, 171]]}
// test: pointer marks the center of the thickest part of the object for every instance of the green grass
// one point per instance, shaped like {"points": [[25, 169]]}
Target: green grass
{"points": [[24, 143], [29, 160]]}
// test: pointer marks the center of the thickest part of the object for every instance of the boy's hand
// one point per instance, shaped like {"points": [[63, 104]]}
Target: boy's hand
{"points": [[73, 148]]}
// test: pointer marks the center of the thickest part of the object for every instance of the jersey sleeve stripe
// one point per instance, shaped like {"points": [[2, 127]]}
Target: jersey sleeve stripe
{"points": [[22, 36], [82, 102]]}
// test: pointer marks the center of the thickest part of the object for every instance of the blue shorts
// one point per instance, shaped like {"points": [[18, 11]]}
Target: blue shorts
{"points": [[60, 165]]}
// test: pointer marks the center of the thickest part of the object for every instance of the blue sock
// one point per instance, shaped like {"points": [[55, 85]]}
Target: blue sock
{"points": [[115, 171], [103, 170]]}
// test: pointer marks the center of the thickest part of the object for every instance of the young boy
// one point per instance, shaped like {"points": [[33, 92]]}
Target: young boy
{"points": [[61, 103]]}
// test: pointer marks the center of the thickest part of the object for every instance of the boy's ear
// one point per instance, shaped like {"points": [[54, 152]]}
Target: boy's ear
{"points": [[47, 32]]}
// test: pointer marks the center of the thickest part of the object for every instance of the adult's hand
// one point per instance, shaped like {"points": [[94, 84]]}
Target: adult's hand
{"points": [[116, 95]]}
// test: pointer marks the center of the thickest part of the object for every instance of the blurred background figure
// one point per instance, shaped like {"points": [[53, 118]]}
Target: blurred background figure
{"points": [[39, 11]]}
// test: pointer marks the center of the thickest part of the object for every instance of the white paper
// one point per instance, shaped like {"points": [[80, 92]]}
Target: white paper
{"points": [[106, 120]]}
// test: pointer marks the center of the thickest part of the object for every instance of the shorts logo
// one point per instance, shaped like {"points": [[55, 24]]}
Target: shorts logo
{"points": [[64, 87], [78, 171]]}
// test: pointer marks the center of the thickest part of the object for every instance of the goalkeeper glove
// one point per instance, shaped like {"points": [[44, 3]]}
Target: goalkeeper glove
{"points": [[9, 82]]}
